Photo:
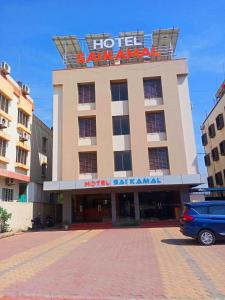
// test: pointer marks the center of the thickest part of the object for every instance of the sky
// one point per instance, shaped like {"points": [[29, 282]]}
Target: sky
{"points": [[27, 28]]}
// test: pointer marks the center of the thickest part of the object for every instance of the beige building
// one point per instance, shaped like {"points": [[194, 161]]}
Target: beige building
{"points": [[41, 161], [123, 140], [213, 140]]}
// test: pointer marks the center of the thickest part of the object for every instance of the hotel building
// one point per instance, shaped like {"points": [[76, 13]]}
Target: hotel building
{"points": [[123, 140], [16, 107], [213, 140]]}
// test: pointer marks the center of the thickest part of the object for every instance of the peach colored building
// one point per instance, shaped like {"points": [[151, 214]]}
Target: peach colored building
{"points": [[16, 109], [123, 140], [213, 140]]}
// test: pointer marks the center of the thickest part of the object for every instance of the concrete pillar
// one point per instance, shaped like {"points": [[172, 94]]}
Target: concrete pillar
{"points": [[67, 207], [113, 207], [136, 207], [184, 197]]}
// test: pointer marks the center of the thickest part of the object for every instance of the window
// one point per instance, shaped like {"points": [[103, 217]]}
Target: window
{"points": [[122, 161], [203, 210], [219, 122], [210, 181], [43, 170], [217, 210], [121, 125], [7, 194], [44, 145], [152, 88], [86, 92], [87, 127], [204, 139], [219, 178], [207, 160], [212, 131], [215, 154], [222, 147], [21, 156], [158, 158], [3, 144], [119, 91], [88, 162], [22, 118], [155, 122], [4, 103]]}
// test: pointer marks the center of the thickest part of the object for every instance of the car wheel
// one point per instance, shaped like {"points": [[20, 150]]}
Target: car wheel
{"points": [[206, 237]]}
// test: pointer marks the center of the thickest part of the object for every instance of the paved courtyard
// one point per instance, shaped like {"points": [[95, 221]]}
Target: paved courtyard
{"points": [[110, 264]]}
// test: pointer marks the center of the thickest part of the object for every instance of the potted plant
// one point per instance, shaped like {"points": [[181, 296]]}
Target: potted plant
{"points": [[66, 224]]}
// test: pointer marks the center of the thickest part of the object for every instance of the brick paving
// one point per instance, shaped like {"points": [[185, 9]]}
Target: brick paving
{"points": [[131, 263]]}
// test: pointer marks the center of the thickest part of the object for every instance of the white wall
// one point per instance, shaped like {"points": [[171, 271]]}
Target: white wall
{"points": [[22, 213]]}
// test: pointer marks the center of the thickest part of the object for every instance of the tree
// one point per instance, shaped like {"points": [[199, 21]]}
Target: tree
{"points": [[4, 217]]}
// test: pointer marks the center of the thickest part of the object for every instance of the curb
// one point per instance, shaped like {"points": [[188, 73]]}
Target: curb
{"points": [[8, 234]]}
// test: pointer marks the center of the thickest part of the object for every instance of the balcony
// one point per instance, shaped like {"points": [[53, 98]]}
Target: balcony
{"points": [[88, 175], [156, 137], [87, 141]]}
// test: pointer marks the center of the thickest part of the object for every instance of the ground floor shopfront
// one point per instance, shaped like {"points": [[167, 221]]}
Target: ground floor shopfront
{"points": [[122, 200], [123, 207]]}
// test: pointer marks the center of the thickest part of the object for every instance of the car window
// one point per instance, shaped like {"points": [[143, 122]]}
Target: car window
{"points": [[203, 210], [217, 210]]}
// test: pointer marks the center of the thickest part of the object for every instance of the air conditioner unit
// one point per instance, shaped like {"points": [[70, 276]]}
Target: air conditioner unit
{"points": [[3, 123], [24, 137], [5, 68], [25, 89], [9, 181]]}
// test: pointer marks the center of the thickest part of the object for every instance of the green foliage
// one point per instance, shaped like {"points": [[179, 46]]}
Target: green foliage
{"points": [[4, 217]]}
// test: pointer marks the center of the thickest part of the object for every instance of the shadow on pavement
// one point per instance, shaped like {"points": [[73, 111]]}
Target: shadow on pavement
{"points": [[180, 242], [187, 242]]}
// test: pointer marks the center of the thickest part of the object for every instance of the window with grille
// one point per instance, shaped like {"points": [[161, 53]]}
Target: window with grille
{"points": [[86, 92], [87, 127], [23, 118], [44, 145], [122, 161], [219, 178], [7, 194], [3, 144], [158, 158], [204, 139], [43, 170], [219, 122], [119, 91], [4, 103], [210, 181], [215, 154], [207, 160], [155, 122], [222, 147], [152, 88], [121, 125], [88, 162], [21, 156], [212, 131]]}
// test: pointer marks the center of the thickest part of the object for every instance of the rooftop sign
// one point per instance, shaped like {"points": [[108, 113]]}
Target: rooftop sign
{"points": [[127, 47]]}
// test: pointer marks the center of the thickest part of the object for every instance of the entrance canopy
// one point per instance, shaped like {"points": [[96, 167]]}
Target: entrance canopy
{"points": [[126, 182]]}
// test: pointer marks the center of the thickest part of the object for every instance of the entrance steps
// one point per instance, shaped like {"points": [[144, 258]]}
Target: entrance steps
{"points": [[108, 225]]}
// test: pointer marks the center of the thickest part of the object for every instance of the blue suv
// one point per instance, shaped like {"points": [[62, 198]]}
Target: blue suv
{"points": [[204, 221]]}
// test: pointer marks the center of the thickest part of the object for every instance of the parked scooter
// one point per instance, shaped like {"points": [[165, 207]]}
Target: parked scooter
{"points": [[49, 221], [36, 223]]}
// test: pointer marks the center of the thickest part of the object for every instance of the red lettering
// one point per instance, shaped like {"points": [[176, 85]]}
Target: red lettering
{"points": [[145, 52], [108, 55], [155, 53], [120, 55], [135, 53], [80, 58], [91, 57], [87, 183]]}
